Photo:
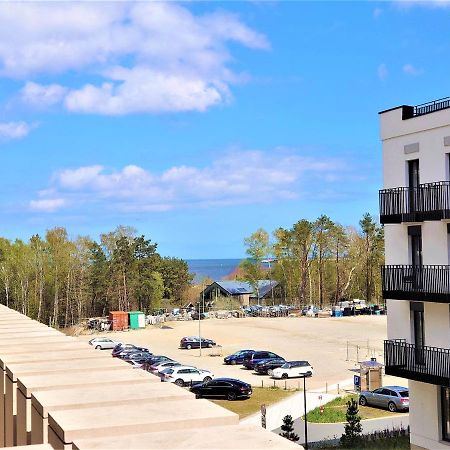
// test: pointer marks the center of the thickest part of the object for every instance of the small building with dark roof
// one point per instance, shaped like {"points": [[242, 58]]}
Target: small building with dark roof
{"points": [[241, 290]]}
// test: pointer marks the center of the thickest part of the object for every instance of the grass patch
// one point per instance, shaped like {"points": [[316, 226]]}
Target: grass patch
{"points": [[335, 411], [245, 407]]}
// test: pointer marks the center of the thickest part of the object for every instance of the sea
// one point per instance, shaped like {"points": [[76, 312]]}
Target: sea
{"points": [[215, 269]]}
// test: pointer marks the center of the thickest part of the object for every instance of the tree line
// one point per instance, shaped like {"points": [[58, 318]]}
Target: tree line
{"points": [[59, 281], [319, 262]]}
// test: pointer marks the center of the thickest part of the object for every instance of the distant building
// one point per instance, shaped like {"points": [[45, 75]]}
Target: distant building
{"points": [[415, 211], [241, 290]]}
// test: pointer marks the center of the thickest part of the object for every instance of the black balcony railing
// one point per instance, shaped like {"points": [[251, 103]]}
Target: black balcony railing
{"points": [[430, 201], [420, 363], [421, 283]]}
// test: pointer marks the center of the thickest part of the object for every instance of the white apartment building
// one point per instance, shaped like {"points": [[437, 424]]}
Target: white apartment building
{"points": [[415, 211]]}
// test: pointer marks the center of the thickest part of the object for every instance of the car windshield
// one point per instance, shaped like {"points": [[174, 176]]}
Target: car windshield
{"points": [[404, 393], [286, 366], [168, 371]]}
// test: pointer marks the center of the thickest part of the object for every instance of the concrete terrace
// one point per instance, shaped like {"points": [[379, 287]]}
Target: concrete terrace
{"points": [[57, 392]]}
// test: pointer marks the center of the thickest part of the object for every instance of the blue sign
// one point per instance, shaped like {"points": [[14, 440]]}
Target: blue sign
{"points": [[356, 380]]}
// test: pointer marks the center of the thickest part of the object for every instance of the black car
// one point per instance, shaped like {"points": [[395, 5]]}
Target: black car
{"points": [[265, 365], [127, 348], [238, 357], [195, 342], [258, 357], [137, 356], [229, 388], [153, 360]]}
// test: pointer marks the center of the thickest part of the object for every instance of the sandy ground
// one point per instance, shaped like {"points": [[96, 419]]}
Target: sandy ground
{"points": [[323, 342]]}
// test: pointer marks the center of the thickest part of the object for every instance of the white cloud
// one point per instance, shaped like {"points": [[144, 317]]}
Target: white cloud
{"points": [[409, 69], [47, 205], [377, 13], [42, 96], [382, 72], [234, 178], [142, 57], [14, 130]]}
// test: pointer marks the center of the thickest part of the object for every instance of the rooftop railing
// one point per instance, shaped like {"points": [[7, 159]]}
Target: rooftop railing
{"points": [[430, 201], [429, 107], [420, 363]]}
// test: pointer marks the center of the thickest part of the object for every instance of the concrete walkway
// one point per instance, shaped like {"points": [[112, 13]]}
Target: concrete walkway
{"points": [[294, 405]]}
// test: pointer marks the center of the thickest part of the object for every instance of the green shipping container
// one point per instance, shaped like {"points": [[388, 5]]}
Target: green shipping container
{"points": [[137, 319]]}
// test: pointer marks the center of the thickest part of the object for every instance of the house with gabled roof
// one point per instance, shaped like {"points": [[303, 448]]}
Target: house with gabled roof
{"points": [[241, 290]]}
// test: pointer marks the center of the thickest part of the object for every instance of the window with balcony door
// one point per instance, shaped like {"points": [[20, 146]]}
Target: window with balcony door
{"points": [[413, 184], [445, 413], [418, 330]]}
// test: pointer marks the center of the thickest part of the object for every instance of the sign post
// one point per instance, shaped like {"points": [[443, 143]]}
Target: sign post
{"points": [[357, 382]]}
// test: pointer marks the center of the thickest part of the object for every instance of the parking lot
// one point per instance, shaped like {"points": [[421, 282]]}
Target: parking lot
{"points": [[321, 341]]}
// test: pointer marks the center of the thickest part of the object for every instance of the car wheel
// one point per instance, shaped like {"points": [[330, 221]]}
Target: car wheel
{"points": [[270, 372], [189, 346], [233, 362], [206, 379], [231, 396], [210, 345], [98, 347], [284, 376], [179, 382], [392, 407], [198, 395], [309, 373], [362, 400]]}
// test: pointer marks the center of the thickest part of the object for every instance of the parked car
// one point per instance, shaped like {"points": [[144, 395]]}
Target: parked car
{"points": [[291, 369], [194, 315], [160, 366], [137, 356], [103, 343], [394, 398], [154, 359], [195, 341], [238, 357], [229, 388], [266, 366], [182, 375], [257, 357], [125, 348]]}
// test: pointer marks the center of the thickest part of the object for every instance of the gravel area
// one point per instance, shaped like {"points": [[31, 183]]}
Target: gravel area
{"points": [[323, 342]]}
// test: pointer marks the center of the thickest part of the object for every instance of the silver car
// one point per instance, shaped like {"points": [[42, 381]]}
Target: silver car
{"points": [[394, 398], [102, 343]]}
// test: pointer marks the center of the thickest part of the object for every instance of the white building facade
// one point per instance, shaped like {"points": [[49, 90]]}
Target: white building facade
{"points": [[415, 211]]}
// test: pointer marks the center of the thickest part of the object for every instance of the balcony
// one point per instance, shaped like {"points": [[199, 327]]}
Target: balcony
{"points": [[430, 201], [420, 283], [426, 364]]}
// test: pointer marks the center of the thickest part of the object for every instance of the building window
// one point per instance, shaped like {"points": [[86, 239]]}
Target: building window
{"points": [[445, 413], [418, 331]]}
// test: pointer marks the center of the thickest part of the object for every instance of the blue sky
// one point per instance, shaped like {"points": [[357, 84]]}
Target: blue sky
{"points": [[198, 123]]}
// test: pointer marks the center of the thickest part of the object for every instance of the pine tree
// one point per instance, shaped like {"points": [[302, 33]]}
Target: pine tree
{"points": [[353, 427], [288, 429]]}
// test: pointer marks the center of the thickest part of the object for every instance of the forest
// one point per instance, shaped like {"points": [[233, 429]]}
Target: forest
{"points": [[319, 262], [60, 281]]}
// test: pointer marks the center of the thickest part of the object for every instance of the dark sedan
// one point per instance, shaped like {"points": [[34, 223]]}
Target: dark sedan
{"points": [[266, 366], [258, 357], [127, 348], [238, 357], [196, 342], [153, 360], [228, 388], [137, 356]]}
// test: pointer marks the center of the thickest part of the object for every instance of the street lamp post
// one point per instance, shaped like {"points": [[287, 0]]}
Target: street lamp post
{"points": [[199, 318], [304, 405]]}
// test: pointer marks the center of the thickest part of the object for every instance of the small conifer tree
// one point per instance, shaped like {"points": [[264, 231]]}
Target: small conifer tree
{"points": [[288, 429], [353, 427]]}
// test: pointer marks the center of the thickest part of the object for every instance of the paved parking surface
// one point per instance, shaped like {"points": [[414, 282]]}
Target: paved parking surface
{"points": [[323, 342]]}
